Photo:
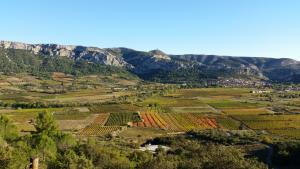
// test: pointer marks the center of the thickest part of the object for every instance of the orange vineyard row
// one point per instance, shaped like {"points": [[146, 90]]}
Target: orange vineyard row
{"points": [[176, 121]]}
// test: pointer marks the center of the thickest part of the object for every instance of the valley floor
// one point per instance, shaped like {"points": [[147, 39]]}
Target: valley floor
{"points": [[136, 112]]}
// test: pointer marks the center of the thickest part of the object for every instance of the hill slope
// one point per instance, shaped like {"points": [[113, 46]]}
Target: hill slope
{"points": [[152, 65]]}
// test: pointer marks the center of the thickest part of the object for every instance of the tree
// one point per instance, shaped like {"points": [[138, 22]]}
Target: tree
{"points": [[65, 141], [84, 163], [5, 156], [69, 159], [140, 157], [46, 124], [8, 130], [20, 155], [160, 162], [45, 147]]}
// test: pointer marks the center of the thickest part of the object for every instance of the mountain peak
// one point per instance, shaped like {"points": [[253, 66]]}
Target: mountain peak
{"points": [[160, 55], [157, 52]]}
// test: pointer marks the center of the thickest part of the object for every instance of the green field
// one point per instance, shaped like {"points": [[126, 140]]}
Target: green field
{"points": [[126, 114], [81, 99]]}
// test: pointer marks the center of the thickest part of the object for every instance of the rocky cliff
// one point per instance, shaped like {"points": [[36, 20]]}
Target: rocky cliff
{"points": [[156, 62], [91, 54]]}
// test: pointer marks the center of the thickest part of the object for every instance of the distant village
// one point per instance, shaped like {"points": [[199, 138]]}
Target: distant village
{"points": [[260, 85]]}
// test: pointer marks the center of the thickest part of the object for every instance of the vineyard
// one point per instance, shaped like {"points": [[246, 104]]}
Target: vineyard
{"points": [[176, 121], [101, 119], [151, 119], [122, 119], [229, 123], [188, 121], [187, 110], [98, 130]]}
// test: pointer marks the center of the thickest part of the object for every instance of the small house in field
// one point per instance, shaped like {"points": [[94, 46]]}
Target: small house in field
{"points": [[260, 91], [153, 148]]}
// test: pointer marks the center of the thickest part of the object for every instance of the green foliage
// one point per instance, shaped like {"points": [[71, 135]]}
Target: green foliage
{"points": [[17, 61], [65, 141], [45, 147], [160, 162], [140, 158], [193, 76], [106, 157], [287, 153], [225, 137], [46, 124], [20, 155], [190, 75], [5, 156], [8, 130], [69, 159], [14, 157], [191, 154], [26, 105], [63, 151]]}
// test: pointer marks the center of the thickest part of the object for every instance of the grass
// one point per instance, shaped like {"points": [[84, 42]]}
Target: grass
{"points": [[25, 127], [141, 135], [212, 92], [290, 133], [295, 118], [87, 95], [115, 108], [233, 104], [250, 111], [229, 123], [98, 130], [203, 109], [170, 101], [22, 115], [266, 125], [27, 88], [70, 115], [182, 108]]}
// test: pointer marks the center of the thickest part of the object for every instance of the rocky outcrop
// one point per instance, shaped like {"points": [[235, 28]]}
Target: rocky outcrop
{"points": [[146, 63], [91, 54]]}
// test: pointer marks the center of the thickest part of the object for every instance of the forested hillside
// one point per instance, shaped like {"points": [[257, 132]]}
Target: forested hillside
{"points": [[17, 61]]}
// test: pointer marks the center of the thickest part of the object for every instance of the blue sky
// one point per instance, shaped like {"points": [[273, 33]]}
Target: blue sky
{"points": [[264, 28]]}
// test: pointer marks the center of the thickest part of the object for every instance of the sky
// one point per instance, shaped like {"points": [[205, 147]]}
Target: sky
{"points": [[261, 28]]}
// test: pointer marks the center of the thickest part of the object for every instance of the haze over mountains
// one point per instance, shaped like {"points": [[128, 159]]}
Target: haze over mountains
{"points": [[156, 64]]}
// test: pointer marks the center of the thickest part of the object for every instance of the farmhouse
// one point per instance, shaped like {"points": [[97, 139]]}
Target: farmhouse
{"points": [[153, 148], [260, 91]]}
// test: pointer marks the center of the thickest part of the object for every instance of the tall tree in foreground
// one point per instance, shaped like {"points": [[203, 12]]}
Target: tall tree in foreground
{"points": [[43, 140], [45, 123], [8, 130]]}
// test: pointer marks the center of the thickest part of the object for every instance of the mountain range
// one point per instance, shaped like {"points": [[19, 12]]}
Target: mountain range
{"points": [[159, 66]]}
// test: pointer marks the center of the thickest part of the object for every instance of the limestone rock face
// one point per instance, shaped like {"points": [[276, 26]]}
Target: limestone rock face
{"points": [[159, 55], [91, 54], [156, 61]]}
